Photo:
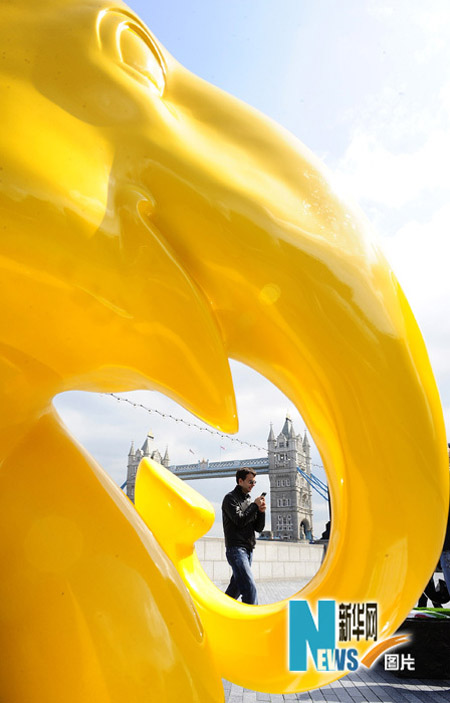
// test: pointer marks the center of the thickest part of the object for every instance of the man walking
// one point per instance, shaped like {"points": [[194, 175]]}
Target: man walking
{"points": [[241, 518]]}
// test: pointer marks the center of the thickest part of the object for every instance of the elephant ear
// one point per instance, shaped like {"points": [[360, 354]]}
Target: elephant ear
{"points": [[308, 300], [246, 252]]}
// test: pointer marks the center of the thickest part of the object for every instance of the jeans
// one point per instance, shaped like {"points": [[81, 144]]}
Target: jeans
{"points": [[445, 563], [242, 582]]}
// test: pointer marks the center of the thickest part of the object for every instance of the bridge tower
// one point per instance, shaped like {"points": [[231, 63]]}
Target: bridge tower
{"points": [[290, 492], [134, 457]]}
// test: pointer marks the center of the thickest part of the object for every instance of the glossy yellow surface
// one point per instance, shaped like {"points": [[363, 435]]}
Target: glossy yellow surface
{"points": [[151, 228]]}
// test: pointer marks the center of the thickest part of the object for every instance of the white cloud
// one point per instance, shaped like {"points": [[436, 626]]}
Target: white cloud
{"points": [[444, 97], [376, 175], [380, 10], [423, 27], [420, 255]]}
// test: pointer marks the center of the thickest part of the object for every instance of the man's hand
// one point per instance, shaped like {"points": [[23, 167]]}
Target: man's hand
{"points": [[261, 503]]}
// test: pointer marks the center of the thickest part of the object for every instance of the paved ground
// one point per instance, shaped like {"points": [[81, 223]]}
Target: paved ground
{"points": [[362, 686], [272, 591]]}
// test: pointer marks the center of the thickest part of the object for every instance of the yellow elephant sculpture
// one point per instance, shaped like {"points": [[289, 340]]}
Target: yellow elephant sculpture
{"points": [[152, 227]]}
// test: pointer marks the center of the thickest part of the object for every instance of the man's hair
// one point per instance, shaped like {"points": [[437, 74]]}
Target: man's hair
{"points": [[242, 473]]}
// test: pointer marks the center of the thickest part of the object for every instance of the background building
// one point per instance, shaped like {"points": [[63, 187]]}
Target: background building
{"points": [[290, 492], [148, 449]]}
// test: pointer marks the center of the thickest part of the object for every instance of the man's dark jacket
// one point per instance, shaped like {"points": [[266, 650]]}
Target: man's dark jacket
{"points": [[241, 518]]}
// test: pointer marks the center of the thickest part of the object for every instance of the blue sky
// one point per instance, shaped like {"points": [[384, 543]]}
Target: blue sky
{"points": [[365, 84]]}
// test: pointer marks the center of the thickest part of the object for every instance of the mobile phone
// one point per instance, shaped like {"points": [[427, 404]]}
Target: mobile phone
{"points": [[263, 494]]}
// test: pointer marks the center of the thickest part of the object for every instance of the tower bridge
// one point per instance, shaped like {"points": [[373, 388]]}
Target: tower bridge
{"points": [[219, 469], [290, 490]]}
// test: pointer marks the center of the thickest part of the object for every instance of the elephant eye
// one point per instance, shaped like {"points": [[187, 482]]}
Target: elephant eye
{"points": [[138, 52]]}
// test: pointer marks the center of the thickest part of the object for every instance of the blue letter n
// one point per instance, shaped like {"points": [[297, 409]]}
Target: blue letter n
{"points": [[303, 630]]}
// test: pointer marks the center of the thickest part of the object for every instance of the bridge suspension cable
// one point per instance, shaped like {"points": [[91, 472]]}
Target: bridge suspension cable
{"points": [[319, 486], [194, 425]]}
